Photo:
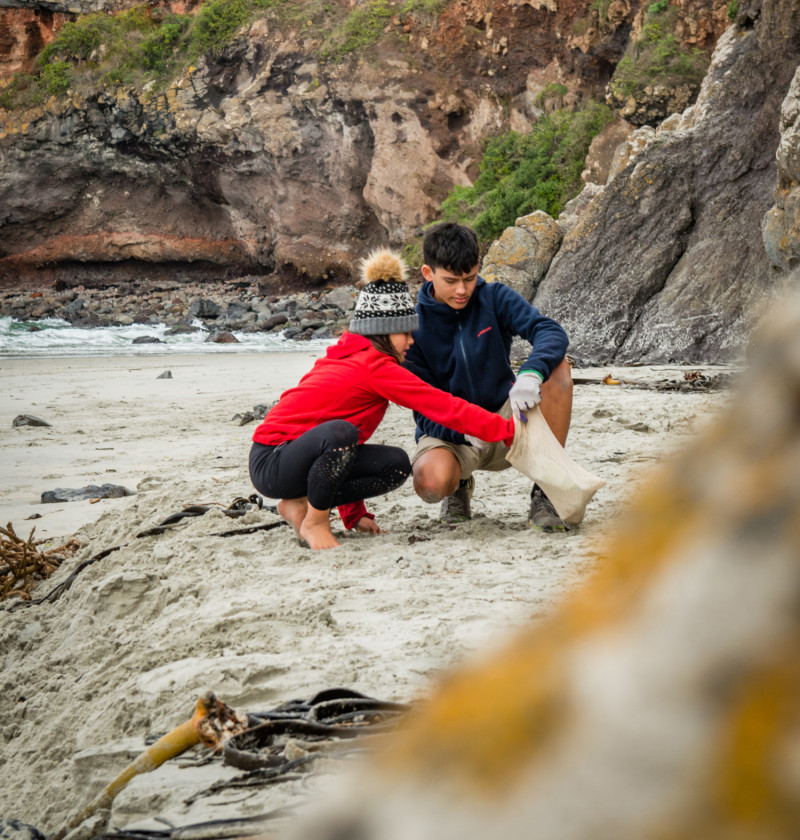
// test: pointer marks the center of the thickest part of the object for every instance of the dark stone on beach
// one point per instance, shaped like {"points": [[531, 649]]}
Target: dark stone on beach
{"points": [[273, 320], [639, 427], [311, 324], [223, 338], [11, 829], [28, 420], [203, 308], [235, 311], [91, 491], [72, 309], [147, 339], [166, 375]]}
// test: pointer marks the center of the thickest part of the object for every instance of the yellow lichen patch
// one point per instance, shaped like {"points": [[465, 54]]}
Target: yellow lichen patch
{"points": [[751, 788]]}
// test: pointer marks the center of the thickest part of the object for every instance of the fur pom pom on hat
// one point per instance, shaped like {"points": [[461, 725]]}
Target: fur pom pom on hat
{"points": [[384, 305]]}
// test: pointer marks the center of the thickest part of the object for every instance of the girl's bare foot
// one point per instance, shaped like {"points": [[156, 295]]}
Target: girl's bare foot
{"points": [[315, 529], [294, 512]]}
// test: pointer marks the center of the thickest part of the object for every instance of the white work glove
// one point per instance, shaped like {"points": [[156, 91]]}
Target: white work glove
{"points": [[477, 442], [525, 393]]}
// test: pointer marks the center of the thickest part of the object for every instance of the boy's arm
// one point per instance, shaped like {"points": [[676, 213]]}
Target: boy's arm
{"points": [[521, 318]]}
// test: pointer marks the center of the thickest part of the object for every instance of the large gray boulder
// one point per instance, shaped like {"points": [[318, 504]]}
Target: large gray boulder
{"points": [[782, 223], [522, 254], [668, 262]]}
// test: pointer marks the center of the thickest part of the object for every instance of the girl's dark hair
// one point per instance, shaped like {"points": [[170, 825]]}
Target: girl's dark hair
{"points": [[383, 344], [452, 247]]}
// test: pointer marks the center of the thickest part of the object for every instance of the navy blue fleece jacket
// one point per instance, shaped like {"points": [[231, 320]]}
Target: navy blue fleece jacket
{"points": [[465, 351]]}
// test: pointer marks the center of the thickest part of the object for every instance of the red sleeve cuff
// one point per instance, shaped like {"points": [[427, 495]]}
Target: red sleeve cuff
{"points": [[351, 514]]}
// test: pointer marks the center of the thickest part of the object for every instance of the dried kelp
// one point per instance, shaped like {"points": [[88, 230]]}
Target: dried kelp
{"points": [[22, 564]]}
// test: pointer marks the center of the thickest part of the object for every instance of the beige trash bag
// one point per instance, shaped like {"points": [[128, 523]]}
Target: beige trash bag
{"points": [[536, 452]]}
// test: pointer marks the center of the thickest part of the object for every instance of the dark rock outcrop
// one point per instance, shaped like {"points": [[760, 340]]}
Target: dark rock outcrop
{"points": [[668, 261]]}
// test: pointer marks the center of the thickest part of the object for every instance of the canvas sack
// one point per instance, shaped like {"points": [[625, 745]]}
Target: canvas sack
{"points": [[536, 452]]}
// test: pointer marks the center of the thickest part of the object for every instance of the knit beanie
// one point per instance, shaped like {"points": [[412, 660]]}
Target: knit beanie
{"points": [[384, 305]]}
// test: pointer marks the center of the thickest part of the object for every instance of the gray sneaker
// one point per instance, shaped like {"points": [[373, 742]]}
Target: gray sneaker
{"points": [[456, 508], [543, 516]]}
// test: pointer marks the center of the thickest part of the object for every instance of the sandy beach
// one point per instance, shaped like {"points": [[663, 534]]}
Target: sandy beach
{"points": [[258, 619]]}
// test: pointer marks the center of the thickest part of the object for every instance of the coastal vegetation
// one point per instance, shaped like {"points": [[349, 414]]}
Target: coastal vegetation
{"points": [[146, 47], [520, 173], [656, 57]]}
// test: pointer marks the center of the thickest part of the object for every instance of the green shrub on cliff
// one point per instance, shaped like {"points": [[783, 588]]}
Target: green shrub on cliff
{"points": [[99, 50], [360, 29], [143, 45], [216, 23], [657, 58], [521, 173]]}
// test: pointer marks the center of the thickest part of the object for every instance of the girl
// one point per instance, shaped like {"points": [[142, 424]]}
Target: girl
{"points": [[310, 450]]}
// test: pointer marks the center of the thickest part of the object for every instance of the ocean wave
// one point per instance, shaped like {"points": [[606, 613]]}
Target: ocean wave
{"points": [[57, 338]]}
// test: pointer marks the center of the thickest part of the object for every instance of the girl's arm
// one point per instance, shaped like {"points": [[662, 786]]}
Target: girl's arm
{"points": [[399, 385]]}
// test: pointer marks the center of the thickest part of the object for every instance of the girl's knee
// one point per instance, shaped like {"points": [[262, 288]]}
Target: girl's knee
{"points": [[340, 433], [401, 463]]}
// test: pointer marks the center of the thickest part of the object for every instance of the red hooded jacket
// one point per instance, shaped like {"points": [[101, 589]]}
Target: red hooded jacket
{"points": [[355, 382]]}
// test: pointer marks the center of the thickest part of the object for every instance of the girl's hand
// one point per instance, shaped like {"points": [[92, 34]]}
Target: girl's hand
{"points": [[367, 526]]}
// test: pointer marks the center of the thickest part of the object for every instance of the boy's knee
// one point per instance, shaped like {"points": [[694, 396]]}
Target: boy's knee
{"points": [[432, 488]]}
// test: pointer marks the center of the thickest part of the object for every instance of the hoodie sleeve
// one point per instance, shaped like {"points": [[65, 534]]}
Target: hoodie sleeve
{"points": [[352, 512], [521, 318], [395, 383]]}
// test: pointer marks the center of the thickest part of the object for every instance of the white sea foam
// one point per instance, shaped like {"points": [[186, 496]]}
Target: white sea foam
{"points": [[57, 338]]}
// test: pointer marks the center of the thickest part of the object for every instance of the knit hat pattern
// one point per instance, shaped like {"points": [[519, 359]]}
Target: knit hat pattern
{"points": [[384, 306]]}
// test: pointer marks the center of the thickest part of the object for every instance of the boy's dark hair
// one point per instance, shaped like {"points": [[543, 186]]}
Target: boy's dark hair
{"points": [[452, 247]]}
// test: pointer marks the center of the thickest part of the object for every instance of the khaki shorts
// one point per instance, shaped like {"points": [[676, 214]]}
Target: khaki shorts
{"points": [[492, 457]]}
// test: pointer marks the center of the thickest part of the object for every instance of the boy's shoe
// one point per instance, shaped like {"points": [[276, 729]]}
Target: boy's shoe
{"points": [[543, 516], [456, 508]]}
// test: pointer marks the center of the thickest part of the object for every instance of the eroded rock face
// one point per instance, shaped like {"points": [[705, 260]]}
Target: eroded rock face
{"points": [[265, 162], [24, 33], [669, 259]]}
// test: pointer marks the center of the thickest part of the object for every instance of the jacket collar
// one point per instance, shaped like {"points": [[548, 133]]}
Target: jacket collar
{"points": [[425, 298]]}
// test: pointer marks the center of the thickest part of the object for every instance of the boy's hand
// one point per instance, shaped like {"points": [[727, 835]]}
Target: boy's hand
{"points": [[367, 526], [525, 394]]}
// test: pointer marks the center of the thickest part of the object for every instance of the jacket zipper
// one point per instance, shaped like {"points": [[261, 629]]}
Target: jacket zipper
{"points": [[466, 364]]}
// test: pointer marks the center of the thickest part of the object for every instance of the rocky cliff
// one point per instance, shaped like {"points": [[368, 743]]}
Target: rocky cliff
{"points": [[667, 261], [265, 160]]}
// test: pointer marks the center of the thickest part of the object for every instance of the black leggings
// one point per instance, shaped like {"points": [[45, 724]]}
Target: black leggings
{"points": [[327, 465]]}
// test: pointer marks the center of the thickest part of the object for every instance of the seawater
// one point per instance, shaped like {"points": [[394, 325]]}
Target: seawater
{"points": [[52, 337]]}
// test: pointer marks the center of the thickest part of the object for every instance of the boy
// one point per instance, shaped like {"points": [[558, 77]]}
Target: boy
{"points": [[462, 346]]}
